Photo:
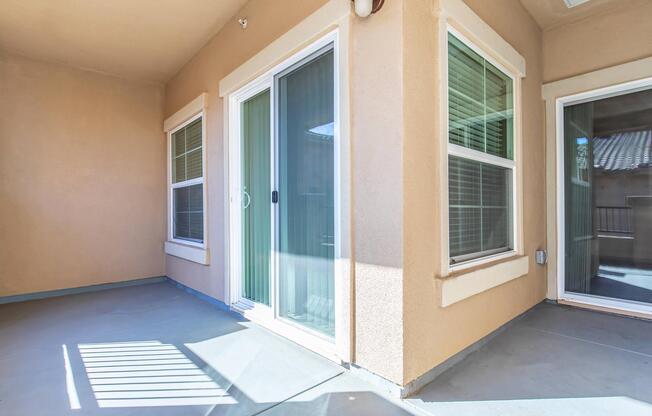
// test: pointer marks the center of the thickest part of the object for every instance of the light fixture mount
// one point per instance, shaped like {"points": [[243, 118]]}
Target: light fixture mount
{"points": [[364, 8], [573, 3]]}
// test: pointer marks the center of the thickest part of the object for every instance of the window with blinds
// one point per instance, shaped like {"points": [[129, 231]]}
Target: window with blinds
{"points": [[187, 182], [480, 160]]}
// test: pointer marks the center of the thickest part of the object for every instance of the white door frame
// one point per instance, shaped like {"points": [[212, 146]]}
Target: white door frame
{"points": [[620, 305], [336, 348]]}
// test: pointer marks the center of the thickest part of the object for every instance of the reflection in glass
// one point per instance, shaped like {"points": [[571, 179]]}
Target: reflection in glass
{"points": [[608, 197], [306, 191], [256, 187]]}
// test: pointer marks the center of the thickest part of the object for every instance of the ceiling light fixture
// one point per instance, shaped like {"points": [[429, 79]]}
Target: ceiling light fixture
{"points": [[573, 3], [363, 8], [243, 22]]}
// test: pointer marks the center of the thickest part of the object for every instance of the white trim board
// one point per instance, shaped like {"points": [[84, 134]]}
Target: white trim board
{"points": [[189, 110], [616, 80], [194, 251], [339, 348], [194, 254], [449, 22], [630, 71], [321, 21], [455, 289], [463, 18]]}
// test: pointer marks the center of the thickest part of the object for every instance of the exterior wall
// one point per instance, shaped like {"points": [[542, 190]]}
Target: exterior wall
{"points": [[432, 333], [400, 331], [82, 194], [378, 118], [227, 50], [620, 36]]}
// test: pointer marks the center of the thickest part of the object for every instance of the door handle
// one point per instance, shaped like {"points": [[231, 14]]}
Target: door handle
{"points": [[248, 200]]}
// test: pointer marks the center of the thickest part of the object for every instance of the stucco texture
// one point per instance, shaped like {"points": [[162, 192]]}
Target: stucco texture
{"points": [[432, 333], [597, 42], [228, 49], [82, 189]]}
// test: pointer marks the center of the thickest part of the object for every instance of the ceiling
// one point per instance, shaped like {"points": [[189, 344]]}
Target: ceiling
{"points": [[552, 13], [136, 39]]}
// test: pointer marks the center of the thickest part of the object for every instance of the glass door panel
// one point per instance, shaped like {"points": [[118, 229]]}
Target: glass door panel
{"points": [[306, 193], [608, 197], [256, 208]]}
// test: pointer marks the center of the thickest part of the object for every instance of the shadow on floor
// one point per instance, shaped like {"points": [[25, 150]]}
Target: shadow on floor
{"points": [[150, 349]]}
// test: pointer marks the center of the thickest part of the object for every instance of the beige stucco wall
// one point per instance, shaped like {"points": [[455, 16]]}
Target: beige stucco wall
{"points": [[376, 133], [432, 333], [597, 42], [82, 193], [227, 50], [377, 146], [399, 330]]}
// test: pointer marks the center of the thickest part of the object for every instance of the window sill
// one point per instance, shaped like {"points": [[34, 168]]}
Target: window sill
{"points": [[462, 285], [187, 252]]}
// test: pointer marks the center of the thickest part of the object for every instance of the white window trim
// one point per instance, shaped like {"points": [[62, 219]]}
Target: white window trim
{"points": [[337, 348], [471, 154], [186, 249], [618, 305]]}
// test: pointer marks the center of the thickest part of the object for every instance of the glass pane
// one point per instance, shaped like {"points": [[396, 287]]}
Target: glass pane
{"points": [[187, 152], [256, 208], [193, 135], [178, 160], [480, 102], [193, 164], [608, 197], [480, 209], [189, 213], [306, 206], [465, 96], [500, 117]]}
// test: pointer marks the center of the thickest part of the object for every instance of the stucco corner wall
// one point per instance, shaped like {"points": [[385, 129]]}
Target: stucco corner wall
{"points": [[377, 149], [432, 333], [82, 189]]}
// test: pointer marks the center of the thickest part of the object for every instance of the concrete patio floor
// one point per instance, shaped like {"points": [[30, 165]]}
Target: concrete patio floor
{"points": [[554, 360], [157, 350]]}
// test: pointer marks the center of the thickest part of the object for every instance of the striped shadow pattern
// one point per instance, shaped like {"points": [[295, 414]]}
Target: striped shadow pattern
{"points": [[147, 373]]}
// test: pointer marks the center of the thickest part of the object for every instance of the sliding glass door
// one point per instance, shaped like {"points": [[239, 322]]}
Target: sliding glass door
{"points": [[307, 196], [286, 186], [607, 200]]}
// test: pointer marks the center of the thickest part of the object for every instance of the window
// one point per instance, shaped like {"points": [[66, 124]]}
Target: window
{"points": [[187, 182], [480, 155]]}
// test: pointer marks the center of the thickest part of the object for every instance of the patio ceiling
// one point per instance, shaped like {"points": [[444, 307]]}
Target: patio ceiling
{"points": [[145, 39], [552, 13]]}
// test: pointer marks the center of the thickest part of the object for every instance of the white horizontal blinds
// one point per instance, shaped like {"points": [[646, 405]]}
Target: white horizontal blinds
{"points": [[465, 208], [187, 156], [480, 104], [480, 214], [187, 183], [189, 213]]}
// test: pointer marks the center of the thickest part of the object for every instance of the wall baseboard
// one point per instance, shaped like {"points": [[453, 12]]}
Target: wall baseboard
{"points": [[82, 289], [429, 376], [213, 301]]}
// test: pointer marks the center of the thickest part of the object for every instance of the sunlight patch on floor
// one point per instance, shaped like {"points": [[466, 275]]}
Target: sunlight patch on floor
{"points": [[147, 373]]}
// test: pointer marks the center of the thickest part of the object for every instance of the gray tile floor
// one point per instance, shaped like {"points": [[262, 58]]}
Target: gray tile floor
{"points": [[157, 350], [553, 361]]}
